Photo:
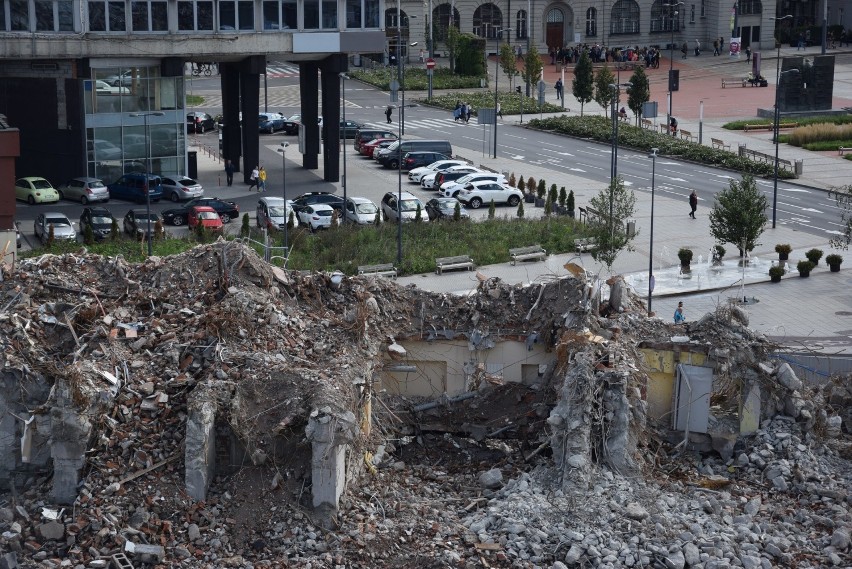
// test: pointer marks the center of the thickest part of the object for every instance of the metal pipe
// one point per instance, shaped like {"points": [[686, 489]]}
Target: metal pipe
{"points": [[651, 255], [148, 172]]}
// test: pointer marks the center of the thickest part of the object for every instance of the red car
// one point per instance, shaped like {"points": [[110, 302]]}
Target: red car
{"points": [[206, 216], [368, 147]]}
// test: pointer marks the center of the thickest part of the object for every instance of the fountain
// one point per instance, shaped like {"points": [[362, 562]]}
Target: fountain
{"points": [[707, 275]]}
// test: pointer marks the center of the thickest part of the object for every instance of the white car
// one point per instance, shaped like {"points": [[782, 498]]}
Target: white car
{"points": [[451, 189], [317, 216], [416, 175], [429, 181], [408, 207], [270, 213], [361, 211], [63, 229], [104, 88], [477, 194]]}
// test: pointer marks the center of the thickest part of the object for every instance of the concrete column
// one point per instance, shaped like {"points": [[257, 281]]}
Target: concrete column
{"points": [[329, 435], [70, 430], [200, 449], [231, 147], [331, 67], [308, 77], [250, 70]]}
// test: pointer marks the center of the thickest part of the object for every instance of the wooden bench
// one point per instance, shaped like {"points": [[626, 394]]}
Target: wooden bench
{"points": [[584, 245], [720, 144], [734, 81], [457, 262], [769, 126], [381, 270], [646, 123], [533, 252], [842, 150], [686, 135]]}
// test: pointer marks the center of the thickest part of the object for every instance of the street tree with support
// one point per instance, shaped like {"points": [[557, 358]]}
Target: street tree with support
{"points": [[603, 93], [533, 66], [610, 233], [509, 63], [640, 92], [739, 215], [583, 85]]}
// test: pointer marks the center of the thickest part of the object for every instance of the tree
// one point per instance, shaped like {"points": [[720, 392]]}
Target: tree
{"points": [[470, 55], [509, 63], [583, 85], [843, 197], [614, 204], [739, 214], [603, 94], [452, 43], [639, 93], [533, 65]]}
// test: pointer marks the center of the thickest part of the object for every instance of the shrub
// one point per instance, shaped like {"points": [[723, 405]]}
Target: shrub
{"points": [[840, 119], [457, 211], [814, 255], [563, 196], [685, 255], [291, 220], [552, 194], [548, 207], [819, 133], [521, 209], [777, 271], [571, 200], [718, 252], [418, 215], [804, 267], [510, 103], [541, 189], [491, 209], [833, 259], [113, 230], [531, 185], [783, 248], [88, 234], [522, 184], [245, 230]]}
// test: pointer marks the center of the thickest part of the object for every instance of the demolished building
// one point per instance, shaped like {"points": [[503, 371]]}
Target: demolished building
{"points": [[210, 410]]}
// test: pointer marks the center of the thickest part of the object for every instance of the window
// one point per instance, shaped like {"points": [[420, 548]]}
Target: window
{"points": [[592, 22], [195, 16], [391, 18], [625, 17], [521, 25], [703, 8], [354, 14], [236, 16], [750, 7], [19, 15], [442, 17], [320, 14], [487, 19], [692, 14], [149, 16], [107, 17], [54, 16], [665, 18]]}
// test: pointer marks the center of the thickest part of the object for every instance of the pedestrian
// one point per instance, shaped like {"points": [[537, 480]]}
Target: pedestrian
{"points": [[697, 48], [673, 126], [559, 88], [683, 49], [254, 177], [748, 54], [421, 55], [499, 110], [468, 111], [679, 317], [520, 53], [715, 48], [801, 44], [721, 43], [457, 111], [261, 180], [229, 172], [388, 113], [693, 204]]}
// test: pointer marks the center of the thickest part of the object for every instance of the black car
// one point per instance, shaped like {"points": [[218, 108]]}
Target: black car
{"points": [[414, 160], [226, 210], [311, 198], [445, 208], [291, 124], [199, 122], [136, 222], [99, 219], [349, 128]]}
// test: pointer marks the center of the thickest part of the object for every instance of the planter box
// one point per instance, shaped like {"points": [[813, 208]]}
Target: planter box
{"points": [[685, 269], [804, 274], [539, 202], [835, 268], [782, 256], [529, 198], [775, 279]]}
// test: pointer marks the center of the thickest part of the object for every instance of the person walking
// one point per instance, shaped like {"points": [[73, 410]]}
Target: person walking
{"points": [[715, 48], [261, 180], [748, 54], [679, 317], [673, 126], [693, 203], [697, 48], [388, 113], [499, 110], [683, 49], [559, 88], [229, 172], [254, 177]]}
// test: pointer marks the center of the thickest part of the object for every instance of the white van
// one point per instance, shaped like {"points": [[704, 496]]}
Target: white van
{"points": [[270, 213]]}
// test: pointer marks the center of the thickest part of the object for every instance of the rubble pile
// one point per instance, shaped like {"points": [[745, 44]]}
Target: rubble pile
{"points": [[130, 377]]}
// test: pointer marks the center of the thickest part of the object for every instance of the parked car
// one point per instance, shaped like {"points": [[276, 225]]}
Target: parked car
{"points": [[124, 79], [270, 122], [135, 187], [311, 198], [445, 208], [205, 216], [63, 229], [227, 210], [35, 190], [317, 216], [136, 222], [408, 207], [416, 174], [181, 188], [364, 135], [433, 181], [368, 148], [361, 211], [417, 159], [270, 213], [99, 219], [104, 88], [475, 194], [451, 189], [291, 124], [102, 150], [199, 122], [84, 189], [348, 129]]}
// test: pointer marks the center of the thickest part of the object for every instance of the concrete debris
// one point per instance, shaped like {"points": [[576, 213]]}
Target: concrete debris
{"points": [[206, 410]]}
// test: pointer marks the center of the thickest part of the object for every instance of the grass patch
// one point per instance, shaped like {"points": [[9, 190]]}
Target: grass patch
{"points": [[832, 145], [834, 133], [510, 103], [599, 128], [803, 121], [194, 100], [415, 78]]}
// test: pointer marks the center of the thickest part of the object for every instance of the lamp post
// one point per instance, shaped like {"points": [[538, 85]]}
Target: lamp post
{"points": [[775, 137], [672, 16], [148, 171], [283, 151], [399, 193], [343, 78], [653, 157], [614, 161], [496, 75]]}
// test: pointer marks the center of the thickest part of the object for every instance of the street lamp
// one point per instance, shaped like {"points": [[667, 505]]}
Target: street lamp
{"points": [[614, 161], [775, 136], [402, 88], [283, 151], [148, 171], [399, 190], [653, 157], [672, 16], [343, 78], [496, 75]]}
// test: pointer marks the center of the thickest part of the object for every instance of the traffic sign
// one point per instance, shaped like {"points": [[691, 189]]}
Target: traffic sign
{"points": [[430, 63]]}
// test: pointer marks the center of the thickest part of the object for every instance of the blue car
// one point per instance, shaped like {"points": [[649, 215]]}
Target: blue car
{"points": [[271, 122], [134, 187]]}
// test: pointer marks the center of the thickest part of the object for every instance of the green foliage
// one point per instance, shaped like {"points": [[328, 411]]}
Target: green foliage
{"points": [[548, 207], [114, 232], [533, 65], [513, 181], [826, 145], [510, 103], [416, 78], [610, 233], [814, 255], [640, 92], [418, 215], [777, 271], [823, 132], [718, 253], [839, 119], [600, 129], [531, 185], [491, 210], [843, 197], [457, 211], [200, 233], [570, 202], [291, 220], [520, 209], [194, 101], [785, 248], [452, 42], [509, 63], [470, 55], [833, 259], [685, 255], [541, 189], [521, 184], [603, 94], [583, 85], [552, 194], [245, 229], [739, 214], [563, 196], [88, 235], [804, 267], [378, 221]]}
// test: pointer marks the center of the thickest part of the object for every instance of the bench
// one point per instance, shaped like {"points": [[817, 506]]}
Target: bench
{"points": [[584, 245], [381, 270], [720, 144], [686, 135], [769, 126], [457, 262], [735, 81], [841, 150], [646, 123], [533, 252]]}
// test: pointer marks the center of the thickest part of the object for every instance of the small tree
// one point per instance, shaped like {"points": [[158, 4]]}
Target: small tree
{"points": [[531, 185], [200, 233], [570, 202], [418, 215], [541, 189], [552, 194], [521, 209], [639, 93], [522, 184], [509, 63], [563, 196], [739, 214], [512, 180], [88, 234], [583, 85], [457, 211], [533, 65], [548, 207], [452, 43], [51, 237], [378, 221], [159, 230], [843, 197], [113, 230], [603, 94], [246, 227], [616, 204], [291, 220]]}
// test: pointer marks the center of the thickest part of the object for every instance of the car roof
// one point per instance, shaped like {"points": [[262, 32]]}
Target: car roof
{"points": [[85, 179], [317, 206], [359, 199], [99, 209], [203, 208], [54, 214], [141, 212], [32, 178], [272, 200], [405, 195], [480, 182]]}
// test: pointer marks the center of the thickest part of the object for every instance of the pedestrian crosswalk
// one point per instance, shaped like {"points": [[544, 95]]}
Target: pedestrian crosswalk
{"points": [[436, 124], [277, 70]]}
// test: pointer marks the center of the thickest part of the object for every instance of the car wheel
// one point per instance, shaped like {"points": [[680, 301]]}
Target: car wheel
{"points": [[514, 200], [61, 195], [225, 218], [178, 220], [175, 197], [30, 200], [476, 203], [83, 200], [393, 164], [200, 128]]}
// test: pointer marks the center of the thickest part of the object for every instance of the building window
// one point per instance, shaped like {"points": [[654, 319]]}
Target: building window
{"points": [[592, 22], [487, 19], [703, 8], [320, 14], [750, 7], [625, 18], [362, 13], [443, 18], [236, 16], [149, 16], [664, 18], [692, 14], [521, 25], [354, 14], [107, 17], [54, 16], [19, 15], [195, 16]]}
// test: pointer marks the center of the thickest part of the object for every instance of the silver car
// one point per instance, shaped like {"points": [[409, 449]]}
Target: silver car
{"points": [[361, 211], [86, 190], [63, 229], [181, 188]]}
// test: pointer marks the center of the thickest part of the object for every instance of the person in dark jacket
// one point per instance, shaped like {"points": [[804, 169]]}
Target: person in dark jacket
{"points": [[693, 203], [388, 113], [229, 172]]}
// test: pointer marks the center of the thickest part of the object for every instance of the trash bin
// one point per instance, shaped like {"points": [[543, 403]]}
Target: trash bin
{"points": [[631, 228], [192, 164], [356, 60], [799, 167]]}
